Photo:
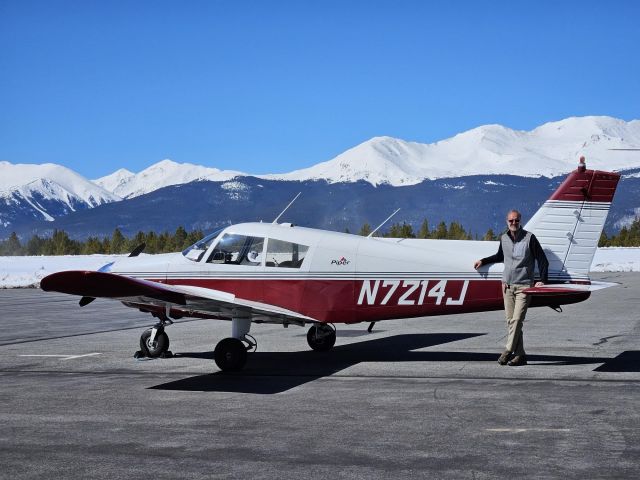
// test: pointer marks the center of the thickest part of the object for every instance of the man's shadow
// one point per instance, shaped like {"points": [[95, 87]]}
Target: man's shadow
{"points": [[276, 372]]}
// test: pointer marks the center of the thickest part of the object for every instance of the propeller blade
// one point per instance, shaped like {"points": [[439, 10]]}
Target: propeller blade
{"points": [[138, 250], [86, 301]]}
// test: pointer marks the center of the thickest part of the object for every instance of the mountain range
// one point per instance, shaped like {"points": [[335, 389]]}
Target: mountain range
{"points": [[384, 170]]}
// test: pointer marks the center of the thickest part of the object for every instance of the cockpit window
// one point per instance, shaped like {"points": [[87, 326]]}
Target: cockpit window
{"points": [[285, 254], [196, 251], [238, 250]]}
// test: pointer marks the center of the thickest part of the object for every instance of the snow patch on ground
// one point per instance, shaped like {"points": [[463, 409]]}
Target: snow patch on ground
{"points": [[16, 272], [616, 259]]}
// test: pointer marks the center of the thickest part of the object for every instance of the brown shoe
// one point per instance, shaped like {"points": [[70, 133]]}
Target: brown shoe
{"points": [[518, 360], [505, 357]]}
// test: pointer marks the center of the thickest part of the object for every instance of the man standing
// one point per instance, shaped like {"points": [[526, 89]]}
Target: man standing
{"points": [[518, 250]]}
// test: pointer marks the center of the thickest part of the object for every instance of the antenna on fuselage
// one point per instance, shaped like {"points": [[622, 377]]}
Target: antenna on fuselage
{"points": [[378, 227], [285, 208]]}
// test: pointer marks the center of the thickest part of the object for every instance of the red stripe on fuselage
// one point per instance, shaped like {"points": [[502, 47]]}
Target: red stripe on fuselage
{"points": [[350, 301]]}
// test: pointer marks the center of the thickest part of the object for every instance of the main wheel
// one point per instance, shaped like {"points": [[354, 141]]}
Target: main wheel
{"points": [[230, 355], [321, 337], [156, 348]]}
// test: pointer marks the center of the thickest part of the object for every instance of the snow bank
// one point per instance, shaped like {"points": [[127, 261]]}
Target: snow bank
{"points": [[28, 271], [616, 259]]}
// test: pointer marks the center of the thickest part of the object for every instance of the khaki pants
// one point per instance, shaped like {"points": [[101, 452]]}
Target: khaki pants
{"points": [[515, 309]]}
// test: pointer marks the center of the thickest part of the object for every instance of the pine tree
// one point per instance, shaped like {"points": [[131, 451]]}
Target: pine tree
{"points": [[179, 239], [604, 240], [91, 246], [151, 240], [11, 246], [489, 236], [35, 246], [424, 229], [61, 244], [365, 230], [406, 231], [118, 242], [440, 231]]}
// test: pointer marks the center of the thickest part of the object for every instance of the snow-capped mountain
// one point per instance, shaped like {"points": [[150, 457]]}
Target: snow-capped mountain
{"points": [[45, 191], [37, 192], [549, 150], [126, 184]]}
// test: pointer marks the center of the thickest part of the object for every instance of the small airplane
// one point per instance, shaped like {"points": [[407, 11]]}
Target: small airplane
{"points": [[283, 274]]}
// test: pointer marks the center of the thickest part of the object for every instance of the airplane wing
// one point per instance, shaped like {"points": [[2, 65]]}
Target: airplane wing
{"points": [[181, 300]]}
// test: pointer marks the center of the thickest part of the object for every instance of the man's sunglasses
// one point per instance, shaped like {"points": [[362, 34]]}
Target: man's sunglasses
{"points": [[517, 220]]}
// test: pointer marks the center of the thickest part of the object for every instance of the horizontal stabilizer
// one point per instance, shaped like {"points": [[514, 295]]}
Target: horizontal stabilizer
{"points": [[549, 291], [556, 295], [567, 289]]}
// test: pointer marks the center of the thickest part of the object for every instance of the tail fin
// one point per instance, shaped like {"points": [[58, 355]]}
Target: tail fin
{"points": [[569, 224]]}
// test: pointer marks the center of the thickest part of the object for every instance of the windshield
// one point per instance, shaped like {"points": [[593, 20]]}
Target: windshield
{"points": [[195, 251], [238, 250]]}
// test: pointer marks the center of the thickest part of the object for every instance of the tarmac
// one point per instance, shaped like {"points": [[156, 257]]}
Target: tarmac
{"points": [[418, 398]]}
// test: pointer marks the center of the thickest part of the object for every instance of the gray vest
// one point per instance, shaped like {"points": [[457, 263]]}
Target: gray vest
{"points": [[519, 263]]}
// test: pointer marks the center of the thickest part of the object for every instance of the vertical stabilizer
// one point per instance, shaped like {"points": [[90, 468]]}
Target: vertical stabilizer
{"points": [[569, 224]]}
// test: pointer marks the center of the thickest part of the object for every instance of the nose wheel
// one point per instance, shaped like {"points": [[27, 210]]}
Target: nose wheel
{"points": [[154, 342], [321, 337]]}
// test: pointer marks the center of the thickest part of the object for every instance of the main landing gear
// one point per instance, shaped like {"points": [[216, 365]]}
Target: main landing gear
{"points": [[231, 353], [321, 337]]}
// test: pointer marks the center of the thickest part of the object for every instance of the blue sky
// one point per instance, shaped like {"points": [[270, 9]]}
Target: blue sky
{"points": [[272, 86]]}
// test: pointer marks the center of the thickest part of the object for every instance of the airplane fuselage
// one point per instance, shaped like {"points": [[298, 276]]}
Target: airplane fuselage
{"points": [[341, 278]]}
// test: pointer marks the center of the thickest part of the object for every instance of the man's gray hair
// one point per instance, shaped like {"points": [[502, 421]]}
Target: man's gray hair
{"points": [[513, 210]]}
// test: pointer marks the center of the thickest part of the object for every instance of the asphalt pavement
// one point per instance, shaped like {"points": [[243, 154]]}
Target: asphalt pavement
{"points": [[419, 398]]}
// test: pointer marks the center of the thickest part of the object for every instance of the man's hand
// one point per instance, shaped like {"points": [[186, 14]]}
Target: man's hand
{"points": [[539, 284], [478, 264]]}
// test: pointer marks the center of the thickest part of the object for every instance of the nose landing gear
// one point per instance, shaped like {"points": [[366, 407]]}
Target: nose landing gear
{"points": [[154, 342], [154, 345]]}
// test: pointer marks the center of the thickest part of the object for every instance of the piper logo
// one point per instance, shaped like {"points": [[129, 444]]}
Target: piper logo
{"points": [[342, 261]]}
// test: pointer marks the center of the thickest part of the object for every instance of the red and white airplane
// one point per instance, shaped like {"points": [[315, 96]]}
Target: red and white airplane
{"points": [[279, 273]]}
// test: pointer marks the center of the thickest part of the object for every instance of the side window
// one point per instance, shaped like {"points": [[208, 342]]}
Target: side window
{"points": [[238, 250], [285, 254]]}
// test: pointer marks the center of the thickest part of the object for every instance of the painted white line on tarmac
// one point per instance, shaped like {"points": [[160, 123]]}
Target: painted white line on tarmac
{"points": [[521, 430], [64, 357]]}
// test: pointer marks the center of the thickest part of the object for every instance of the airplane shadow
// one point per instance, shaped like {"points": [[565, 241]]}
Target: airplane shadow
{"points": [[277, 372]]}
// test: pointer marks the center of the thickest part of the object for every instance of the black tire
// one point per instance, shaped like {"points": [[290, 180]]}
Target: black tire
{"points": [[159, 346], [321, 338], [230, 355]]}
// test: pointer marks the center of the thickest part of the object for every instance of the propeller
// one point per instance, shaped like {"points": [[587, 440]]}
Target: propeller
{"points": [[138, 250], [86, 301]]}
